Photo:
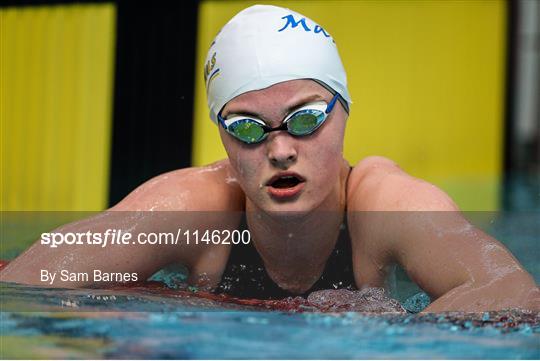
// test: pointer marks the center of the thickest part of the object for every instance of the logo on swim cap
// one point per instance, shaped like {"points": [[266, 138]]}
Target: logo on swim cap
{"points": [[293, 23], [209, 72], [264, 45]]}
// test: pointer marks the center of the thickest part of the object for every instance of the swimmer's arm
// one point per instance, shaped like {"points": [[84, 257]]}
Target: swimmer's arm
{"points": [[194, 189], [413, 223]]}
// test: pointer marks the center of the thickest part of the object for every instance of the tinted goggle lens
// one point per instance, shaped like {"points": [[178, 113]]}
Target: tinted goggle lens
{"points": [[305, 122], [247, 130]]}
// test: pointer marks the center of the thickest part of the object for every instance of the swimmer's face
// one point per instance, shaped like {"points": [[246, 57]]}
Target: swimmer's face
{"points": [[308, 167]]}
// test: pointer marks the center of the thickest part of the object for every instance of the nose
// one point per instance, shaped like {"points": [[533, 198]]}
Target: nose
{"points": [[281, 150]]}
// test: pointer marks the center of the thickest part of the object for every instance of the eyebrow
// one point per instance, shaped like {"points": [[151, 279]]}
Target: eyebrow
{"points": [[296, 104]]}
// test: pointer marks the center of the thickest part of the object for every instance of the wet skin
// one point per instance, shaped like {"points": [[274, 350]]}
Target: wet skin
{"points": [[392, 218]]}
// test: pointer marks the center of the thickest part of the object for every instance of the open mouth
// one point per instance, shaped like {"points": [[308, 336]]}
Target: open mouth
{"points": [[285, 185], [286, 182]]}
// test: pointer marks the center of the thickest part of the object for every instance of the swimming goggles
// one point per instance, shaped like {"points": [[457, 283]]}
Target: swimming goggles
{"points": [[301, 122]]}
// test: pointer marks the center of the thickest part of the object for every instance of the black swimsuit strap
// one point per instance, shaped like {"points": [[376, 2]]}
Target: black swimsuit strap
{"points": [[347, 186]]}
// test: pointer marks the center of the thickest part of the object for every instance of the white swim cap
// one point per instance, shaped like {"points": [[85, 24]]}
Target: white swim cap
{"points": [[264, 45]]}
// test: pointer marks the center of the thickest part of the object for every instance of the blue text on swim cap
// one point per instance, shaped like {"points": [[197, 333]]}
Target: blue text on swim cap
{"points": [[293, 23]]}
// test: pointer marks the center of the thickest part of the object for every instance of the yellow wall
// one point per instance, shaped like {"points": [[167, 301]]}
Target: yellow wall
{"points": [[55, 98], [427, 81]]}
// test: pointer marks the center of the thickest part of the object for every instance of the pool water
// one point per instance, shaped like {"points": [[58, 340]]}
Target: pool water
{"points": [[138, 324]]}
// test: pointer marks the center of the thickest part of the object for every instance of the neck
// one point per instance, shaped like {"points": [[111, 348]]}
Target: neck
{"points": [[295, 246]]}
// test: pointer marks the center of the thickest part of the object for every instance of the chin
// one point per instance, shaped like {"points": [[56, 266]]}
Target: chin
{"points": [[299, 205], [295, 208]]}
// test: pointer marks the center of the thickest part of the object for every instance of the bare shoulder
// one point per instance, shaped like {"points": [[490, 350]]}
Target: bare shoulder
{"points": [[379, 184], [206, 188]]}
